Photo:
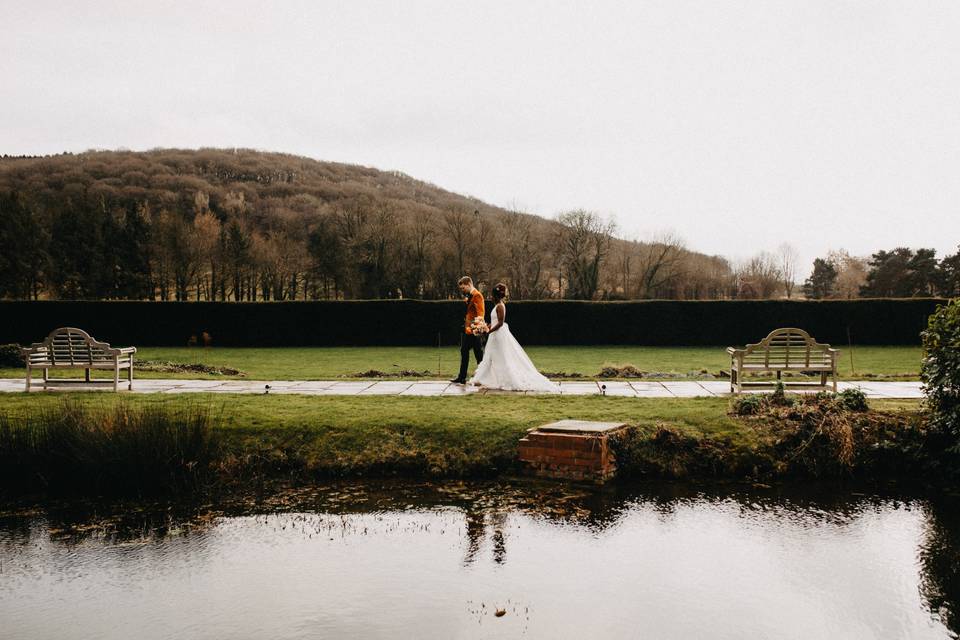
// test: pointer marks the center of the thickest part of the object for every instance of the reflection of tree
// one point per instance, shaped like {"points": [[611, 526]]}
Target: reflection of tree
{"points": [[940, 563]]}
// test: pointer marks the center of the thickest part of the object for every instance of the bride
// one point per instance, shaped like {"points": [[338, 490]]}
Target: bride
{"points": [[505, 365]]}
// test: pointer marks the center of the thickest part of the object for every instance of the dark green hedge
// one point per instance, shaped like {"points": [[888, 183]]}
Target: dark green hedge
{"points": [[409, 322]]}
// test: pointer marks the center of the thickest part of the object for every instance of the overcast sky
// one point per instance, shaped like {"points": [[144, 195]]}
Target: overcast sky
{"points": [[826, 123]]}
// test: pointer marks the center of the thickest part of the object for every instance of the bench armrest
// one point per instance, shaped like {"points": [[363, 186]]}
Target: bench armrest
{"points": [[123, 351], [34, 349], [734, 351]]}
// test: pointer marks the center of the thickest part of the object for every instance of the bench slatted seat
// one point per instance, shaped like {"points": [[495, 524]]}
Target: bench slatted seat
{"points": [[791, 350], [71, 348]]}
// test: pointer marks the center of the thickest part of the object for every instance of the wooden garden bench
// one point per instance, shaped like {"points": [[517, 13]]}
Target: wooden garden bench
{"points": [[791, 350], [69, 348]]}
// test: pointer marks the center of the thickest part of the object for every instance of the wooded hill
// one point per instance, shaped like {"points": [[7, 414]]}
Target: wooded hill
{"points": [[237, 224]]}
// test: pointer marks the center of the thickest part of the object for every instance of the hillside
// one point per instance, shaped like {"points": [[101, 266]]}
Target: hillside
{"points": [[242, 224]]}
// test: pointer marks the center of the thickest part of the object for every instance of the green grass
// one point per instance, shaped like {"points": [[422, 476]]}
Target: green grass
{"points": [[319, 363], [309, 436]]}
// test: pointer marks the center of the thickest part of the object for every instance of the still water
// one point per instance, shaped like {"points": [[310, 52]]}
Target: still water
{"points": [[442, 561]]}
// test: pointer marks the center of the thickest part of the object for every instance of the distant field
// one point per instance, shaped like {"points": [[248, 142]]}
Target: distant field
{"points": [[318, 363]]}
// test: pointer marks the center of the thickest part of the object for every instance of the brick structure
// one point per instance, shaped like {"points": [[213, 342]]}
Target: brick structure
{"points": [[570, 450]]}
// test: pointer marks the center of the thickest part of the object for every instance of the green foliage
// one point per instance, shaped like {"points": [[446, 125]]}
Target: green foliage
{"points": [[747, 405], [940, 371], [821, 282], [902, 273], [10, 356], [852, 400], [779, 396]]}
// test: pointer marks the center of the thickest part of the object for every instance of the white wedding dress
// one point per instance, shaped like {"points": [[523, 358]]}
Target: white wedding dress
{"points": [[505, 364]]}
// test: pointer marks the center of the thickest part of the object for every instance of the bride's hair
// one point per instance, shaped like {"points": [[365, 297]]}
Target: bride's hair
{"points": [[500, 292]]}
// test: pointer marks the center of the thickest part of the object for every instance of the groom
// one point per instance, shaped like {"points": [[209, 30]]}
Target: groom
{"points": [[468, 340]]}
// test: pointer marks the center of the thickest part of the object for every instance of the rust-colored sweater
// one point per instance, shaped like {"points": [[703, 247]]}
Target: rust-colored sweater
{"points": [[474, 309]]}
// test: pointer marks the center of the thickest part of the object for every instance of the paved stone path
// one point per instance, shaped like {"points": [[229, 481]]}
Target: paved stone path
{"points": [[638, 389]]}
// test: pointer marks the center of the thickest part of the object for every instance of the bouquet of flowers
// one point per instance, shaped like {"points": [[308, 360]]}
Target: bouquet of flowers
{"points": [[478, 326]]}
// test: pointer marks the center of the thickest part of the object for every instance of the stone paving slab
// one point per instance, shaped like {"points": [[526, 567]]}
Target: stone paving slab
{"points": [[392, 388], [651, 390], [432, 388], [618, 389], [683, 389], [579, 388], [426, 389]]}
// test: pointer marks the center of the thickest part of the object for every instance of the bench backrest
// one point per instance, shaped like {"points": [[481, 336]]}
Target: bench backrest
{"points": [[788, 347], [69, 345]]}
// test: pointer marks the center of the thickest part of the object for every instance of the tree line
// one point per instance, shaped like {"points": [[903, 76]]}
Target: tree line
{"points": [[243, 225]]}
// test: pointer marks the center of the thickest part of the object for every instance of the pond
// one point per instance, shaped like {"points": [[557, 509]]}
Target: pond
{"points": [[487, 560]]}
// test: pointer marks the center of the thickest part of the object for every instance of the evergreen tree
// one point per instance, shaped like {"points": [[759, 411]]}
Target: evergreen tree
{"points": [[821, 282], [23, 249]]}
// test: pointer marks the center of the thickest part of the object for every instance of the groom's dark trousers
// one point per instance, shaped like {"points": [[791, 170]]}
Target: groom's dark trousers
{"points": [[469, 342]]}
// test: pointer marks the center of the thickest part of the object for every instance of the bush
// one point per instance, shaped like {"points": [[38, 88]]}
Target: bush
{"points": [[852, 400], [10, 357], [940, 370], [374, 322], [749, 405]]}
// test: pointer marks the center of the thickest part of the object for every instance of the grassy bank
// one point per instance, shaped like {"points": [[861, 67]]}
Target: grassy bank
{"points": [[256, 437], [322, 363]]}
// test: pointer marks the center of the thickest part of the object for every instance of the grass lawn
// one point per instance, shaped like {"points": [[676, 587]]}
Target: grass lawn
{"points": [[319, 363], [446, 435]]}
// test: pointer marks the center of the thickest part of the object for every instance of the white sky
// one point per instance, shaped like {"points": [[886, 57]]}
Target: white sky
{"points": [[828, 123]]}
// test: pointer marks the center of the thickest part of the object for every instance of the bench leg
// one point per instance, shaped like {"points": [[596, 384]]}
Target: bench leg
{"points": [[130, 375], [86, 375], [28, 378], [46, 377], [834, 380], [116, 377]]}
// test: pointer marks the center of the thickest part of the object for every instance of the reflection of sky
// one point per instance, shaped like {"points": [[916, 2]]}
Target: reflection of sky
{"points": [[697, 569]]}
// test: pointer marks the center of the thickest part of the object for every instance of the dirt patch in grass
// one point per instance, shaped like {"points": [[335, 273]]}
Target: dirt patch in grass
{"points": [[162, 366], [376, 373]]}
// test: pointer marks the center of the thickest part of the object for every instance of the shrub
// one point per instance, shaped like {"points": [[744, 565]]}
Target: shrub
{"points": [[940, 371], [852, 400], [749, 405], [10, 357], [779, 397]]}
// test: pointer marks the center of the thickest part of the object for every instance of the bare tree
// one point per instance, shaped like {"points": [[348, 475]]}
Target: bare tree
{"points": [[422, 234], [851, 273], [206, 231], [585, 240], [788, 258], [659, 265], [759, 277], [523, 257], [457, 222]]}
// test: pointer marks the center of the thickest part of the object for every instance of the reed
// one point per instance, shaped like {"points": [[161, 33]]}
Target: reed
{"points": [[121, 449]]}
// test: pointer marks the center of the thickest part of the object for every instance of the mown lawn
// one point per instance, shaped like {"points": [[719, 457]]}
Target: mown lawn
{"points": [[319, 363], [363, 430]]}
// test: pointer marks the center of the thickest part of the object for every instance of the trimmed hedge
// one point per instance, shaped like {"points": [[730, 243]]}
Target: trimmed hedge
{"points": [[420, 323]]}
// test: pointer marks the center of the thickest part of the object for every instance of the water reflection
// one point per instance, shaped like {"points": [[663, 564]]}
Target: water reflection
{"points": [[442, 560]]}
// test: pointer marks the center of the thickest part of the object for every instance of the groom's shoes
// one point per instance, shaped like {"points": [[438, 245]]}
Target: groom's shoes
{"points": [[458, 381]]}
